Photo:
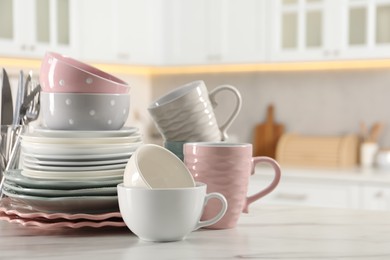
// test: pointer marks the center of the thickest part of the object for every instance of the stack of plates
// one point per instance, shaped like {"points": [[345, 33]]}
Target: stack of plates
{"points": [[70, 172], [26, 216]]}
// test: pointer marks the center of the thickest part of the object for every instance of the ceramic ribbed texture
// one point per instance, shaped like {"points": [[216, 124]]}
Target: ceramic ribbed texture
{"points": [[193, 120], [226, 173]]}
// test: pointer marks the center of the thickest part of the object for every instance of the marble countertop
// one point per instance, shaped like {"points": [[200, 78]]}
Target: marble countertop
{"points": [[267, 232]]}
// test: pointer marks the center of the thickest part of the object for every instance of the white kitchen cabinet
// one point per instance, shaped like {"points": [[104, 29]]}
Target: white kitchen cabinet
{"points": [[219, 31], [30, 28], [329, 29], [96, 30], [241, 31], [185, 24], [354, 188], [303, 29], [366, 29], [307, 192], [375, 197], [121, 31], [8, 44], [138, 31]]}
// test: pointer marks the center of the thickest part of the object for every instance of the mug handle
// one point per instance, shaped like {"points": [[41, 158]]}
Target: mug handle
{"points": [[224, 127], [270, 187], [215, 219]]}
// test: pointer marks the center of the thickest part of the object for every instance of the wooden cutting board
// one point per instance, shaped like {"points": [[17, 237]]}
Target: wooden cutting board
{"points": [[266, 135]]}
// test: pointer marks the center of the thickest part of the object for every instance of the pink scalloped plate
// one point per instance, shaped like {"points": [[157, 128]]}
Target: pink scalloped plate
{"points": [[61, 224], [9, 208]]}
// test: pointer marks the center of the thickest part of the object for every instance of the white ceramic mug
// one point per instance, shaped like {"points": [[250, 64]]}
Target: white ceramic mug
{"points": [[186, 113], [153, 166], [166, 214]]}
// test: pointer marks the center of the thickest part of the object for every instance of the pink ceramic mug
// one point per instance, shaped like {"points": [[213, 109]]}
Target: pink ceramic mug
{"points": [[226, 168]]}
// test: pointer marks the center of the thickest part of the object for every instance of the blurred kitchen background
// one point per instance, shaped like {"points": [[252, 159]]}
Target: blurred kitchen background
{"points": [[324, 65]]}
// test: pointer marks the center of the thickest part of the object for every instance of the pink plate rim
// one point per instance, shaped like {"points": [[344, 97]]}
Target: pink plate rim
{"points": [[67, 224], [27, 213]]}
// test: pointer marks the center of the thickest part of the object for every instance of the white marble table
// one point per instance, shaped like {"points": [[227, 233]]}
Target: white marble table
{"points": [[267, 232]]}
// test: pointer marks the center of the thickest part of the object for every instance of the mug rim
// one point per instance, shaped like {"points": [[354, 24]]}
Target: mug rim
{"points": [[175, 94], [218, 144], [198, 185]]}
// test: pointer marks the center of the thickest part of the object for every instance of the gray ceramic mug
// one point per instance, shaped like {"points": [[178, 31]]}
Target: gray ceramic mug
{"points": [[187, 113]]}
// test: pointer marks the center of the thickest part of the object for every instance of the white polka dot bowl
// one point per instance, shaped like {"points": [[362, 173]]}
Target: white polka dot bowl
{"points": [[66, 75], [84, 111]]}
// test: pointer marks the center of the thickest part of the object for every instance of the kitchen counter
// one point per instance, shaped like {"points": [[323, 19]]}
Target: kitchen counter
{"points": [[349, 175], [353, 188], [267, 232]]}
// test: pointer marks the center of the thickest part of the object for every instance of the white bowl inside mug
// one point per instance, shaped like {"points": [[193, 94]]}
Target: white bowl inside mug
{"points": [[152, 166], [84, 111]]}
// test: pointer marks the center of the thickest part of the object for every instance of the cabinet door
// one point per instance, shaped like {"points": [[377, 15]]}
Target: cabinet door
{"points": [[366, 29], [64, 21], [218, 31], [301, 29], [185, 31], [376, 198], [8, 24], [36, 26], [96, 30], [137, 31], [237, 31], [306, 192]]}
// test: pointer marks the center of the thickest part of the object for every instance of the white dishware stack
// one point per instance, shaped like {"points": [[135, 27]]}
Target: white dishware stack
{"points": [[70, 165]]}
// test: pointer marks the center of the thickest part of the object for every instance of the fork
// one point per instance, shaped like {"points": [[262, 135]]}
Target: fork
{"points": [[32, 105]]}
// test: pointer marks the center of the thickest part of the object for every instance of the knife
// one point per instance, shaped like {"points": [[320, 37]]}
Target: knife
{"points": [[6, 101], [19, 100]]}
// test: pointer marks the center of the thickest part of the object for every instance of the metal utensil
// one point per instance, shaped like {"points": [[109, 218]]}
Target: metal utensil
{"points": [[30, 101], [6, 101], [19, 100], [6, 121], [14, 156], [31, 105]]}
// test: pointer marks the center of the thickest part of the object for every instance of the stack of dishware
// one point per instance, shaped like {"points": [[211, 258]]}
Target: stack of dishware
{"points": [[71, 163]]}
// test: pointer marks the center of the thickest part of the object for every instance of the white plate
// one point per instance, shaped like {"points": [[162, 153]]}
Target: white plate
{"points": [[102, 191], [39, 148], [78, 204], [48, 168], [53, 175], [125, 131], [83, 140], [33, 160], [16, 177], [78, 149], [79, 157]]}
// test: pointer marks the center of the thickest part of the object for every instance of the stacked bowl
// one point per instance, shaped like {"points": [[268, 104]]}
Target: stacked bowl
{"points": [[77, 96], [71, 162]]}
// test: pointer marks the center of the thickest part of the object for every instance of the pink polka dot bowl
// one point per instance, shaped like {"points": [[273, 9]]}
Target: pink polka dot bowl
{"points": [[84, 111], [66, 75]]}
